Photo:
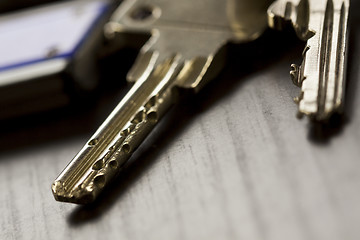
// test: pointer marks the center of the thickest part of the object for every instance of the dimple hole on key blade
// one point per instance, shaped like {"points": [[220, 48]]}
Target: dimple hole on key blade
{"points": [[98, 164], [93, 142], [152, 117], [126, 148], [125, 132], [139, 117], [151, 103], [99, 181], [113, 164]]}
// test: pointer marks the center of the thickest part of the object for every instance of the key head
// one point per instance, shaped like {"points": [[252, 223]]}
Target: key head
{"points": [[194, 30], [323, 24]]}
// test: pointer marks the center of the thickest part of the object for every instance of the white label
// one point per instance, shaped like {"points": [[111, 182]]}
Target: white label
{"points": [[48, 32]]}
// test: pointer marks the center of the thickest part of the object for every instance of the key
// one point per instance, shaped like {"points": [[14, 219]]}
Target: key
{"points": [[185, 51], [321, 76]]}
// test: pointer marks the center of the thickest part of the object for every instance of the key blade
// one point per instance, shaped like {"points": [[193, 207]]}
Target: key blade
{"points": [[321, 76], [118, 137]]}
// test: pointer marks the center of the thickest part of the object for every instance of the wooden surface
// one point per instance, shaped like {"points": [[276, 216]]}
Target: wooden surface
{"points": [[233, 164]]}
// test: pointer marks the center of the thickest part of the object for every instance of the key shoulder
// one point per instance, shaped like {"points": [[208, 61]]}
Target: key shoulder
{"points": [[195, 30]]}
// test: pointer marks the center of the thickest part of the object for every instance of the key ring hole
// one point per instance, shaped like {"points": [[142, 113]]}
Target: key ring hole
{"points": [[144, 13]]}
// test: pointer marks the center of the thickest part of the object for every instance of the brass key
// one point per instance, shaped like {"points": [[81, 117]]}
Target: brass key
{"points": [[322, 75], [183, 53]]}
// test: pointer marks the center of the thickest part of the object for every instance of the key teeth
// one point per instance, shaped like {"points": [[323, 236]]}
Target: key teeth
{"points": [[283, 12], [278, 14], [295, 75], [300, 115], [298, 99]]}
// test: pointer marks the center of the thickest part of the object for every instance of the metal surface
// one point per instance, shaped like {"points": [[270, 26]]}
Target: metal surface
{"points": [[184, 52], [324, 24]]}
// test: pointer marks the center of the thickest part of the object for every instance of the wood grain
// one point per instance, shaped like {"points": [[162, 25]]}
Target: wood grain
{"points": [[231, 163]]}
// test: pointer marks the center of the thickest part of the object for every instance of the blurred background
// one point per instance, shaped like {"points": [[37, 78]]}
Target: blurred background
{"points": [[230, 163]]}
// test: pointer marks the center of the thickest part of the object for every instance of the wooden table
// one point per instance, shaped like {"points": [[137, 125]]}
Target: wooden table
{"points": [[232, 163]]}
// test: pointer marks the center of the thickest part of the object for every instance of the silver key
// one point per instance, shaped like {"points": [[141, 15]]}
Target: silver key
{"points": [[184, 52], [321, 76]]}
